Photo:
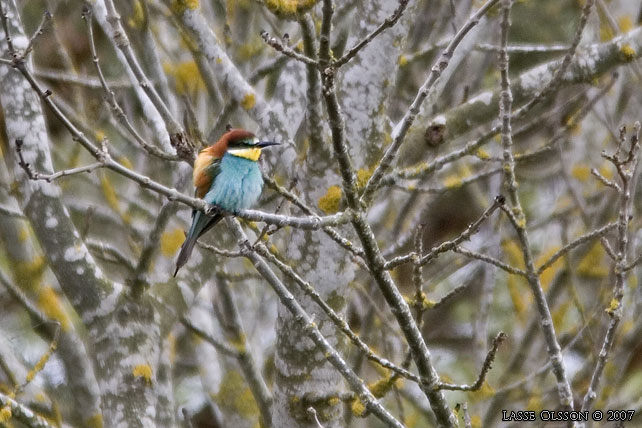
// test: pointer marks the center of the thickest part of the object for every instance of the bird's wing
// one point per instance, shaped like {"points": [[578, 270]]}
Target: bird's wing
{"points": [[204, 174]]}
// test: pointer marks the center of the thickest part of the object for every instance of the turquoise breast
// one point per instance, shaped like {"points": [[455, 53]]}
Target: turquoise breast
{"points": [[238, 184]]}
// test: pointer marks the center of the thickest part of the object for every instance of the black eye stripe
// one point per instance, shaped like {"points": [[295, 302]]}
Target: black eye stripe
{"points": [[242, 143]]}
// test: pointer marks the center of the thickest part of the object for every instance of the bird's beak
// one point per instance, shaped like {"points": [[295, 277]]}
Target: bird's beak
{"points": [[268, 143]]}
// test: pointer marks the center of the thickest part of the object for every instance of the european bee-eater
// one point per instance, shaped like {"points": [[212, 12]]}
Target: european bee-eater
{"points": [[226, 174]]}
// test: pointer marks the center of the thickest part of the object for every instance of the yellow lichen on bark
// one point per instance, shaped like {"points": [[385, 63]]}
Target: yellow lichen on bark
{"points": [[625, 23], [547, 276], [593, 264], [248, 101], [482, 154], [5, 414], [180, 6], [41, 363], [95, 421], [515, 289], [143, 371], [137, 19], [236, 396], [52, 306], [289, 9], [109, 192], [28, 273], [171, 241], [363, 175], [330, 202], [581, 172], [628, 52], [358, 408], [382, 386], [187, 77]]}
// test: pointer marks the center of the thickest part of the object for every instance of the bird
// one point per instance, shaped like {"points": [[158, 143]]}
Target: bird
{"points": [[226, 174]]}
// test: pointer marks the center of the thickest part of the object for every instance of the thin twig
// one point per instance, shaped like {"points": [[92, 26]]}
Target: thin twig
{"points": [[34, 175], [218, 251], [609, 250], [46, 18], [23, 414], [484, 258], [523, 49], [110, 253], [278, 45], [472, 229], [313, 416], [575, 243], [613, 185], [122, 42], [488, 362], [138, 277], [443, 189], [253, 376], [450, 295], [389, 22], [10, 212], [220, 346]]}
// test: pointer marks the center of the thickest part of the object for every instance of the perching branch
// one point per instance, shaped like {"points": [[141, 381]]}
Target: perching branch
{"points": [[219, 345], [310, 222]]}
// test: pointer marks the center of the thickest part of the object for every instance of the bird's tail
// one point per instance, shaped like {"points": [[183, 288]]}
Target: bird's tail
{"points": [[201, 223]]}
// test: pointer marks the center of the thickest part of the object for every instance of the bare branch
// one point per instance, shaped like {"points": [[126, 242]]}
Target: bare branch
{"points": [[111, 99], [523, 48], [488, 362], [310, 328], [472, 229], [516, 214], [23, 414], [413, 110], [46, 18], [625, 167], [389, 22], [337, 320], [219, 345], [278, 45], [490, 260], [33, 175], [575, 243]]}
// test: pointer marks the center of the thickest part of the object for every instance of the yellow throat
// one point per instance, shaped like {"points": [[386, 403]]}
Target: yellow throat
{"points": [[252, 154]]}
